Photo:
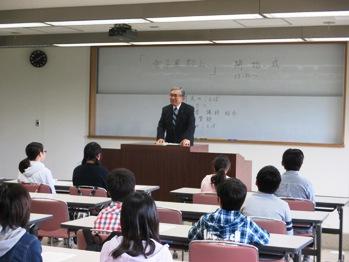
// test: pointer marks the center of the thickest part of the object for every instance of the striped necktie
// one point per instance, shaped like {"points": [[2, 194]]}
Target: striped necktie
{"points": [[174, 116]]}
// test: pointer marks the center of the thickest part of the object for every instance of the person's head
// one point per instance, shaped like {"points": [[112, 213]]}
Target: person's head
{"points": [[35, 152], [292, 159], [177, 95], [121, 182], [92, 153], [268, 179], [14, 205], [139, 222], [232, 193], [221, 165]]}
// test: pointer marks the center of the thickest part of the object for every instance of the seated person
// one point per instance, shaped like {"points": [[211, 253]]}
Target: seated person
{"points": [[227, 222], [16, 244], [32, 170], [221, 165], [140, 233], [292, 184], [264, 203], [91, 172], [121, 183]]}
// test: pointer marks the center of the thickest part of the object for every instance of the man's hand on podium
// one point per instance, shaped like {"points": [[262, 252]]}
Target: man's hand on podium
{"points": [[185, 143], [160, 141]]}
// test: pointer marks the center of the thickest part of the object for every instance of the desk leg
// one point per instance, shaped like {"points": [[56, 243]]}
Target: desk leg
{"points": [[318, 242], [297, 257], [340, 245]]}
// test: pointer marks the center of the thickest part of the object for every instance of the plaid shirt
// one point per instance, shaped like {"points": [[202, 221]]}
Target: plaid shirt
{"points": [[228, 225], [109, 218]]}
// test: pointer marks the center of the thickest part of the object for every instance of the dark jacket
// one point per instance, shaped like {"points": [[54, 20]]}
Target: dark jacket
{"points": [[185, 124], [27, 249], [90, 175]]}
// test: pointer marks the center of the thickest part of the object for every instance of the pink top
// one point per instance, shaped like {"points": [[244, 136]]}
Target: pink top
{"points": [[207, 186]]}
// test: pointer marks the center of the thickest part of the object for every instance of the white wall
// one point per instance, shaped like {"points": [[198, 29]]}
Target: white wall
{"points": [[58, 95]]}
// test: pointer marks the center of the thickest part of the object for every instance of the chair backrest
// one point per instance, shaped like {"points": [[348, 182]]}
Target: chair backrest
{"points": [[271, 225], [208, 251], [205, 198], [58, 209], [37, 188], [300, 204], [88, 191], [171, 216]]}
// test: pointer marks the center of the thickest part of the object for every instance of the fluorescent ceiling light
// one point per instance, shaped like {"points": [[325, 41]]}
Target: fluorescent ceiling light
{"points": [[91, 44], [307, 14], [21, 25], [204, 18], [172, 43], [242, 41], [327, 39], [99, 22]]}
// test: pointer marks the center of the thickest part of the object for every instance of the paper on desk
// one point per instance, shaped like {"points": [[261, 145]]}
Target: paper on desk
{"points": [[49, 256]]}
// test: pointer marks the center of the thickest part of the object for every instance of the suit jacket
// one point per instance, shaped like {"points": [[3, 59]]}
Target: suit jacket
{"points": [[185, 124]]}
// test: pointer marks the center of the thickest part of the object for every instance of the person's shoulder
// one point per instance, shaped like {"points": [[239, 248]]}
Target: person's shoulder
{"points": [[167, 107], [187, 106]]}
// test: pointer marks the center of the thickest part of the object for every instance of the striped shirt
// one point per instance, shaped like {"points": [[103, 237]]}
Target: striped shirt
{"points": [[269, 206], [228, 225], [108, 218]]}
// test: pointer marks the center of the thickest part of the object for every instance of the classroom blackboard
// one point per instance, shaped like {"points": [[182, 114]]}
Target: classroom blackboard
{"points": [[274, 93]]}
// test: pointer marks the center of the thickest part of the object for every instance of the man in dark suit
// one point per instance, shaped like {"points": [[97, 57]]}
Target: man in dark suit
{"points": [[177, 120]]}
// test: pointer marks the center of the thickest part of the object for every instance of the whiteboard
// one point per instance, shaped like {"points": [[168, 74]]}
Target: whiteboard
{"points": [[282, 93]]}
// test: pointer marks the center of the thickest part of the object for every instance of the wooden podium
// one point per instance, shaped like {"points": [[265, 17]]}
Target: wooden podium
{"points": [[172, 167]]}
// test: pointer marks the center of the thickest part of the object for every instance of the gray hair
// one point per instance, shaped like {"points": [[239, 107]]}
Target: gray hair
{"points": [[178, 88]]}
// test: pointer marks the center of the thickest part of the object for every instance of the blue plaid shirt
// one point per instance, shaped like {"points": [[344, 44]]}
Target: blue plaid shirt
{"points": [[228, 225]]}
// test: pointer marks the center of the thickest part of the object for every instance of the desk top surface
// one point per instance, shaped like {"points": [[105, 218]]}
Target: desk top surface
{"points": [[291, 243], [318, 199], [60, 254], [35, 218], [72, 199], [297, 216]]}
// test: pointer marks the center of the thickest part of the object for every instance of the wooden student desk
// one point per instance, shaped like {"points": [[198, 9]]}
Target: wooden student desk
{"points": [[323, 203], [178, 235], [75, 201], [60, 254]]}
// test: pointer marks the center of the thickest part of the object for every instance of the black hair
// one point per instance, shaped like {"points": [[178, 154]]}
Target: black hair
{"points": [[221, 165], [292, 159], [268, 179], [120, 183], [14, 205], [32, 150], [91, 151], [232, 193], [139, 222]]}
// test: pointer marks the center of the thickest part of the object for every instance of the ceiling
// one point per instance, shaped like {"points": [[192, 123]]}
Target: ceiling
{"points": [[18, 11]]}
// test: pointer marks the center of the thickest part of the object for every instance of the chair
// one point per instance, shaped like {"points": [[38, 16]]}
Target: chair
{"points": [[271, 225], [52, 227], [300, 204], [210, 250], [171, 216], [88, 191], [36, 188], [205, 198]]}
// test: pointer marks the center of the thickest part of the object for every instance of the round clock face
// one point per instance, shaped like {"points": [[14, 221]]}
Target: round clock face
{"points": [[38, 58]]}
